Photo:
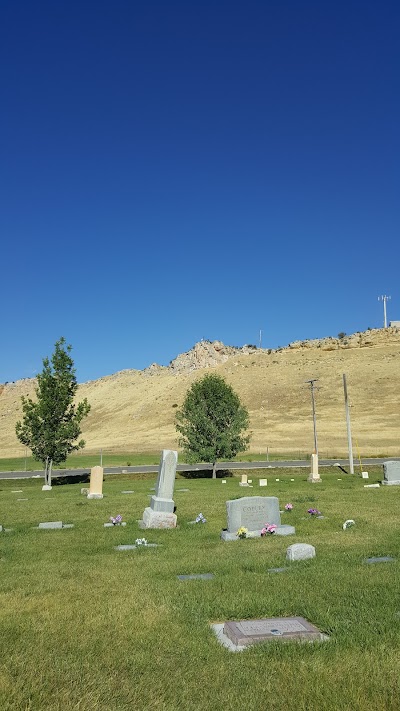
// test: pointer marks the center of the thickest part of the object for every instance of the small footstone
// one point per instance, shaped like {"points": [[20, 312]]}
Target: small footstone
{"points": [[22, 499], [197, 576], [381, 559], [133, 547], [300, 551], [17, 491], [127, 492], [277, 570], [51, 524], [114, 525], [183, 489]]}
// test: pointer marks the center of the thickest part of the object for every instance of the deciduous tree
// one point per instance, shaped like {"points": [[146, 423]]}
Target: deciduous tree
{"points": [[212, 422], [50, 425]]}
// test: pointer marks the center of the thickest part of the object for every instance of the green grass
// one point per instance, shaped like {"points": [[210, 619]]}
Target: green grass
{"points": [[86, 628]]}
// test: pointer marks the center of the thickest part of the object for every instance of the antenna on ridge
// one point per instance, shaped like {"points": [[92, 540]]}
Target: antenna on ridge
{"points": [[384, 299]]}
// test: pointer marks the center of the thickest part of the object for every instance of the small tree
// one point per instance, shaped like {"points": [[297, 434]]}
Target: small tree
{"points": [[212, 422], [51, 425]]}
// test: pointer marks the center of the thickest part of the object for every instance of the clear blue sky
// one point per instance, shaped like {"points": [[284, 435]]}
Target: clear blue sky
{"points": [[172, 171]]}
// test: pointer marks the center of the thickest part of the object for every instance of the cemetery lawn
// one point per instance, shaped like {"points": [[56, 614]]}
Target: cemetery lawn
{"points": [[87, 628]]}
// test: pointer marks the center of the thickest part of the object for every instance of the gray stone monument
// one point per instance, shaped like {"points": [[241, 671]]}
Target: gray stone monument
{"points": [[391, 473], [160, 513], [253, 513], [300, 551]]}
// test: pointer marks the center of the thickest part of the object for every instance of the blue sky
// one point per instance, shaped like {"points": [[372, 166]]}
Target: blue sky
{"points": [[177, 171]]}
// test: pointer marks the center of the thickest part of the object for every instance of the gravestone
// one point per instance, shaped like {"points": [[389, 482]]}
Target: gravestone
{"points": [[160, 513], [197, 576], [246, 632], [253, 513], [96, 483], [364, 475], [263, 482], [391, 473], [314, 477], [243, 480], [55, 524], [300, 551], [380, 559]]}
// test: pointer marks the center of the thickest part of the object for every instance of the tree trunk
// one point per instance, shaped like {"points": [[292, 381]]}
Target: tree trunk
{"points": [[49, 472], [46, 470], [214, 474]]}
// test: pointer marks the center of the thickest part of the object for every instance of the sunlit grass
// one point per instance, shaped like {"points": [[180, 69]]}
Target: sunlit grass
{"points": [[85, 627]]}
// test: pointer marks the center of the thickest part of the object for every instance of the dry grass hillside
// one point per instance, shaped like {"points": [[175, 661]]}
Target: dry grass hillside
{"points": [[134, 410]]}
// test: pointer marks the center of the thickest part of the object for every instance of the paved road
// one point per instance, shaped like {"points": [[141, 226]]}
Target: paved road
{"points": [[148, 469]]}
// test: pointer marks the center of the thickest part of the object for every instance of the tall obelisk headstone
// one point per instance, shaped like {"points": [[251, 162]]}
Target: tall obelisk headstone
{"points": [[96, 483], [160, 513], [314, 477]]}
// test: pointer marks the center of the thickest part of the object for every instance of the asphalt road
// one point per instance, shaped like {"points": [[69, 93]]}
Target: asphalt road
{"points": [[148, 469]]}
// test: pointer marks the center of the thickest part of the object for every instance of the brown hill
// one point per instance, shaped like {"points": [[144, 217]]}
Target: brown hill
{"points": [[134, 410]]}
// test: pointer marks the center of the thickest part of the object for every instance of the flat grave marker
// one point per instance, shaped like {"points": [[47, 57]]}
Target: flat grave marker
{"points": [[197, 576], [239, 635], [380, 559]]}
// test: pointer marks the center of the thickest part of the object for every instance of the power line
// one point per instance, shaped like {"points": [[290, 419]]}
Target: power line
{"points": [[312, 388], [384, 299]]}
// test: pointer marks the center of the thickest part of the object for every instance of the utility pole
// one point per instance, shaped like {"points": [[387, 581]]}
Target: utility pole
{"points": [[312, 388], [260, 338], [350, 445], [384, 299]]}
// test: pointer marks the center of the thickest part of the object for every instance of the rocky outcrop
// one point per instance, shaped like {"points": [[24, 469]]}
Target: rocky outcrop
{"points": [[205, 354]]}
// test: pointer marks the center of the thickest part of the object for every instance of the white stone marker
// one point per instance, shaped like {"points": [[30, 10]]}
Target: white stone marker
{"points": [[243, 480], [160, 513], [223, 481], [263, 482], [364, 475], [314, 477], [300, 551], [46, 487], [96, 483]]}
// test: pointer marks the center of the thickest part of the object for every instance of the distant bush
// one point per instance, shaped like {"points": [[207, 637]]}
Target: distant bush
{"points": [[206, 474], [341, 335]]}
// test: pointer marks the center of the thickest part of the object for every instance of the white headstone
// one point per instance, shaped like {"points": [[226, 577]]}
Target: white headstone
{"points": [[364, 475], [160, 513], [314, 477], [263, 482], [300, 551]]}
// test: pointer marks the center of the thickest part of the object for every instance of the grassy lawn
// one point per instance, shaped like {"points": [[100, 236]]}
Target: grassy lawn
{"points": [[87, 628]]}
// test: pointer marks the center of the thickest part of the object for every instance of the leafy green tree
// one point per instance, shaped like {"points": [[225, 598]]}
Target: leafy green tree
{"points": [[212, 422], [51, 425]]}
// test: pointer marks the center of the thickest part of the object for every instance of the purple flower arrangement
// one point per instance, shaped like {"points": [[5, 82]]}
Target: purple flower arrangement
{"points": [[288, 507], [314, 512], [117, 520]]}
